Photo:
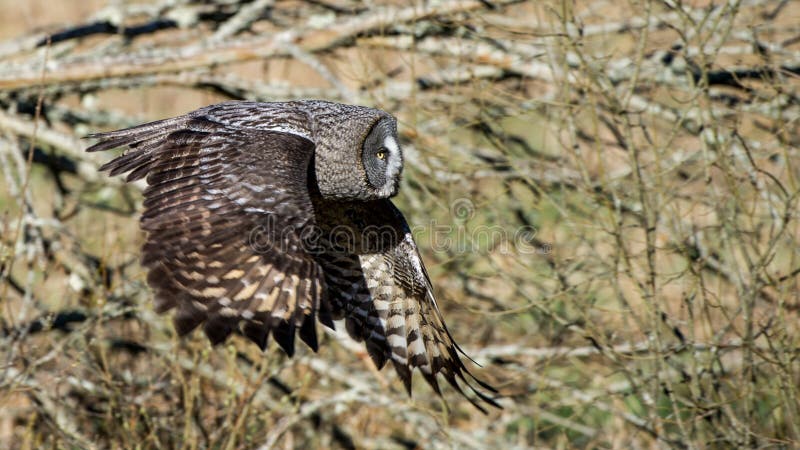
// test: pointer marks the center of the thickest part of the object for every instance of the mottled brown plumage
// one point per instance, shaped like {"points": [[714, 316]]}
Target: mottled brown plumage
{"points": [[262, 218]]}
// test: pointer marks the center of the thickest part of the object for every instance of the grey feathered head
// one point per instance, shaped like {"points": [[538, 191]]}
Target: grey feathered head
{"points": [[358, 155]]}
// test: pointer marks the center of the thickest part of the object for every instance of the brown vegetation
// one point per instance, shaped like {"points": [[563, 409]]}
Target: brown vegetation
{"points": [[616, 183]]}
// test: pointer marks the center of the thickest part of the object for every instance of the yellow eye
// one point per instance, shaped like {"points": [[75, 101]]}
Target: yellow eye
{"points": [[381, 154]]}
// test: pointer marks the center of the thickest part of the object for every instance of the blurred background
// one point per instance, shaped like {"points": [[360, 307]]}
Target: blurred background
{"points": [[617, 183]]}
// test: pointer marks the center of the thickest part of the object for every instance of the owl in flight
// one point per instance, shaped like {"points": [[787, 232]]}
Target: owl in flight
{"points": [[263, 218]]}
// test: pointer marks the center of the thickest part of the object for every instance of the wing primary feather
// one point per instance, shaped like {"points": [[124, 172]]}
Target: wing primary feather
{"points": [[308, 333], [187, 318], [257, 332], [217, 328], [283, 333], [377, 353], [405, 375], [324, 314]]}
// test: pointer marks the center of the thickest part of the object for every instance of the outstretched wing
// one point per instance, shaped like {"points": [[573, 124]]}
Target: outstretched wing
{"points": [[377, 282], [225, 212]]}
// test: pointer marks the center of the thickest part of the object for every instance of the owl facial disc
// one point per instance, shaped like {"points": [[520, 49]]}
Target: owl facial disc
{"points": [[382, 158]]}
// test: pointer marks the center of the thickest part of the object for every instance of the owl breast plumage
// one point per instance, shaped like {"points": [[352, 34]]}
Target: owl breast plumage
{"points": [[264, 218]]}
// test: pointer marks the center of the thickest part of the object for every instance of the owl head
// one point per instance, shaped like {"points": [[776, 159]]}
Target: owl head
{"points": [[358, 155]]}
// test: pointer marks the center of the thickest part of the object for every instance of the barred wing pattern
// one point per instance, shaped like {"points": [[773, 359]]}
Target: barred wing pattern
{"points": [[224, 219], [378, 283], [231, 211]]}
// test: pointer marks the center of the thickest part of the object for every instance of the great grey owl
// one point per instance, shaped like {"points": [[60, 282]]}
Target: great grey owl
{"points": [[265, 217]]}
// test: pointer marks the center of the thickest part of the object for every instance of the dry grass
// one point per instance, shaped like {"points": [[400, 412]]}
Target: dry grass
{"points": [[619, 183]]}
